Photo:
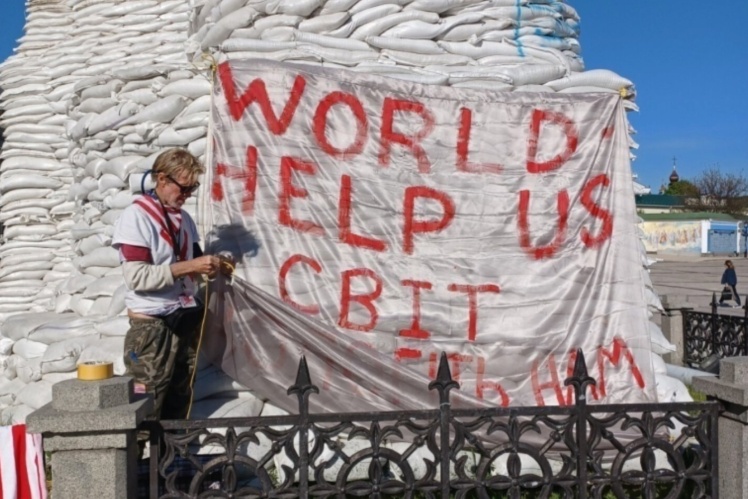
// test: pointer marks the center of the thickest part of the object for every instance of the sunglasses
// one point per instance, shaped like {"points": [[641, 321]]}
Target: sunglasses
{"points": [[185, 189]]}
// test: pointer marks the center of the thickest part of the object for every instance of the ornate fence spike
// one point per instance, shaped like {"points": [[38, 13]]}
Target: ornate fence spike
{"points": [[580, 378], [443, 382], [303, 386]]}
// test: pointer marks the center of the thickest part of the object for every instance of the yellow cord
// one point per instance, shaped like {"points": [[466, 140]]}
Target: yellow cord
{"points": [[228, 265]]}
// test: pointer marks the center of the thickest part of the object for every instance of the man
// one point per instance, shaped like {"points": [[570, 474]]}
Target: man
{"points": [[161, 258]]}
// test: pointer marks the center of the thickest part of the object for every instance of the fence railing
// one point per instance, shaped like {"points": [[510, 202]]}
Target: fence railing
{"points": [[708, 336], [632, 450]]}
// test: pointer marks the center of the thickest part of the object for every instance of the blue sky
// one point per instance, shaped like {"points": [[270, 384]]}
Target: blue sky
{"points": [[687, 59]]}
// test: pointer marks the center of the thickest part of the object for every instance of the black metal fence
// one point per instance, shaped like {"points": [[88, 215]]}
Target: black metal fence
{"points": [[577, 451], [708, 337]]}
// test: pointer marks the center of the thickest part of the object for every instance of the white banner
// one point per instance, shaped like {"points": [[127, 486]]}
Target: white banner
{"points": [[382, 222]]}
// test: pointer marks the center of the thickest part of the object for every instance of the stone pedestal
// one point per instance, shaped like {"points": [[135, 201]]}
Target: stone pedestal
{"points": [[672, 327], [731, 388], [89, 428]]}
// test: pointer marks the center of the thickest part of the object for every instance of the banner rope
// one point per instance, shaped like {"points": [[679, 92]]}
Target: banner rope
{"points": [[229, 266]]}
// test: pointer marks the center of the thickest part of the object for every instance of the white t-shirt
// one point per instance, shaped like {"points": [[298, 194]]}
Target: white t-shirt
{"points": [[143, 224]]}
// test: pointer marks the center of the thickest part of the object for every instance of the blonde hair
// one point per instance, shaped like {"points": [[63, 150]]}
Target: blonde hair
{"points": [[173, 161]]}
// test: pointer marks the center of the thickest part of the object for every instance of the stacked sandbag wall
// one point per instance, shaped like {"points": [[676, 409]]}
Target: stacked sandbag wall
{"points": [[98, 88]]}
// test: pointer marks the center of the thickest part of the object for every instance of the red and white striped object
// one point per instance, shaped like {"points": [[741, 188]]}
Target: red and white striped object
{"points": [[21, 464]]}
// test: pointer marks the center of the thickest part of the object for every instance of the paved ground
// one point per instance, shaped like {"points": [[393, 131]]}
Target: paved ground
{"points": [[695, 278]]}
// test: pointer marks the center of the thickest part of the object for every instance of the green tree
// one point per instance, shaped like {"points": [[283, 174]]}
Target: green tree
{"points": [[682, 188]]}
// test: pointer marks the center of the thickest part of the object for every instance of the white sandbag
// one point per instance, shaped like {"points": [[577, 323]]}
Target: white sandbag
{"points": [[21, 194], [34, 109], [344, 57], [96, 105], [440, 6], [54, 276], [29, 370], [15, 414], [199, 105], [11, 386], [163, 111], [330, 41], [324, 23], [182, 121], [113, 117], [33, 213], [119, 201], [255, 45], [100, 306], [671, 390], [587, 89], [65, 208], [10, 371], [413, 59], [533, 89], [100, 257], [333, 6], [117, 306], [221, 30], [659, 366], [417, 46], [23, 267], [110, 349], [32, 202], [35, 395], [30, 163], [30, 232], [180, 138], [113, 326], [28, 181], [65, 267], [6, 346], [140, 72], [660, 344], [29, 89], [129, 7], [364, 17], [29, 349], [109, 181], [301, 8], [224, 8], [26, 257], [192, 88], [18, 276], [97, 87], [62, 356], [465, 32], [106, 286], [142, 96], [278, 34], [197, 147], [62, 303], [595, 78]]}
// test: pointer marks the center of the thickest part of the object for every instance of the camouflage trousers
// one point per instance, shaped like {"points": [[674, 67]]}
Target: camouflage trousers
{"points": [[163, 360]]}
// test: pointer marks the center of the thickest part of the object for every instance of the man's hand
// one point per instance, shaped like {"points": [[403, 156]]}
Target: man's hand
{"points": [[207, 265], [227, 264]]}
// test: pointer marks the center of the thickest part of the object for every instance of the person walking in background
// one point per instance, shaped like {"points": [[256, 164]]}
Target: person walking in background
{"points": [[730, 278]]}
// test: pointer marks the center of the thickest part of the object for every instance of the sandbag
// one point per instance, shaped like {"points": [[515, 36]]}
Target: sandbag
{"points": [[110, 349], [62, 356]]}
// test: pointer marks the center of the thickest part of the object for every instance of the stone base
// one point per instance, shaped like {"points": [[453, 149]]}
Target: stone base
{"points": [[94, 474]]}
